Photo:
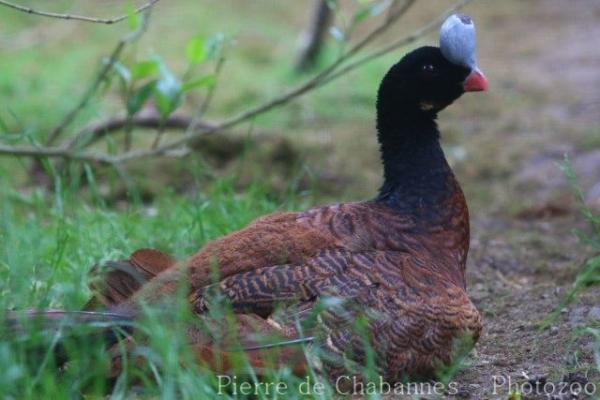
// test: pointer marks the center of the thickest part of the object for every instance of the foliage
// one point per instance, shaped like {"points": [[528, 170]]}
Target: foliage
{"points": [[589, 271], [589, 274], [48, 244], [168, 92]]}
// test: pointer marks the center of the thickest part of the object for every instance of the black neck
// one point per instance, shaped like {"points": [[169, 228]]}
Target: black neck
{"points": [[417, 178]]}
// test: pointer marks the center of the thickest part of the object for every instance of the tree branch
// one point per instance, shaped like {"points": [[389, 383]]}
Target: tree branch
{"points": [[325, 76], [100, 77], [97, 131], [333, 71], [389, 20], [107, 21], [422, 31], [56, 152]]}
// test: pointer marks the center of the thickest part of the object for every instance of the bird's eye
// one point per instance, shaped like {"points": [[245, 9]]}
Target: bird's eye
{"points": [[429, 68]]}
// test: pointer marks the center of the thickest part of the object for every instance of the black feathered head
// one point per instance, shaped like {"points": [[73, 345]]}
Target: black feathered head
{"points": [[428, 79]]}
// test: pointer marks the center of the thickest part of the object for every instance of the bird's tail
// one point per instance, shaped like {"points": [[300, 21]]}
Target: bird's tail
{"points": [[39, 331], [110, 315], [102, 318], [115, 282], [56, 319]]}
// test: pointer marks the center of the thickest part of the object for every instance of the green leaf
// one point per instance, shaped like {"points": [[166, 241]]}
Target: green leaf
{"points": [[196, 50], [206, 81], [133, 18], [168, 93], [122, 72], [145, 69], [361, 15], [138, 98]]}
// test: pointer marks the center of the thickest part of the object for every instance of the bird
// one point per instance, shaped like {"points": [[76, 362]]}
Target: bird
{"points": [[393, 266]]}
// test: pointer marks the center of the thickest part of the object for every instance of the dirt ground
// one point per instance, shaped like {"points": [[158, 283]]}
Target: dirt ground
{"points": [[524, 254]]}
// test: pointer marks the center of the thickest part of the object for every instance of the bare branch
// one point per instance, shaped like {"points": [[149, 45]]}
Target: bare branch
{"points": [[72, 17], [424, 30], [56, 152], [196, 122], [97, 131], [389, 20]]}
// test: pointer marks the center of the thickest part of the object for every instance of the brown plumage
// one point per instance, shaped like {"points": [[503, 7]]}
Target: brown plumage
{"points": [[397, 262], [411, 275]]}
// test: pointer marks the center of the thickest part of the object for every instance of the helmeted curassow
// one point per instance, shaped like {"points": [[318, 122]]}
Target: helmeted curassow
{"points": [[397, 261]]}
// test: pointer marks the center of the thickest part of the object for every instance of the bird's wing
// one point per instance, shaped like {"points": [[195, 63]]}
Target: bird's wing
{"points": [[280, 239], [351, 302], [360, 254], [115, 281], [292, 238], [279, 307], [334, 275], [322, 297]]}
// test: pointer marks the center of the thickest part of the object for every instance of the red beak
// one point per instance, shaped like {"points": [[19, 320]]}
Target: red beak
{"points": [[475, 82]]}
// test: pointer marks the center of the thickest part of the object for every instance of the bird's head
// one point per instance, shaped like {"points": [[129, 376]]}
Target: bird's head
{"points": [[430, 78]]}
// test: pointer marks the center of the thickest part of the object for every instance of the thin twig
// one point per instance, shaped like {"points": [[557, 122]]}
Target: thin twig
{"points": [[88, 94], [197, 120], [391, 8], [100, 77], [389, 21], [320, 79], [56, 152], [128, 134], [73, 17], [159, 134], [425, 29], [211, 90], [97, 131], [327, 75]]}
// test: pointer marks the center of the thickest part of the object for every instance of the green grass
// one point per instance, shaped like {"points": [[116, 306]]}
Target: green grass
{"points": [[588, 274], [48, 244], [51, 237], [50, 241]]}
